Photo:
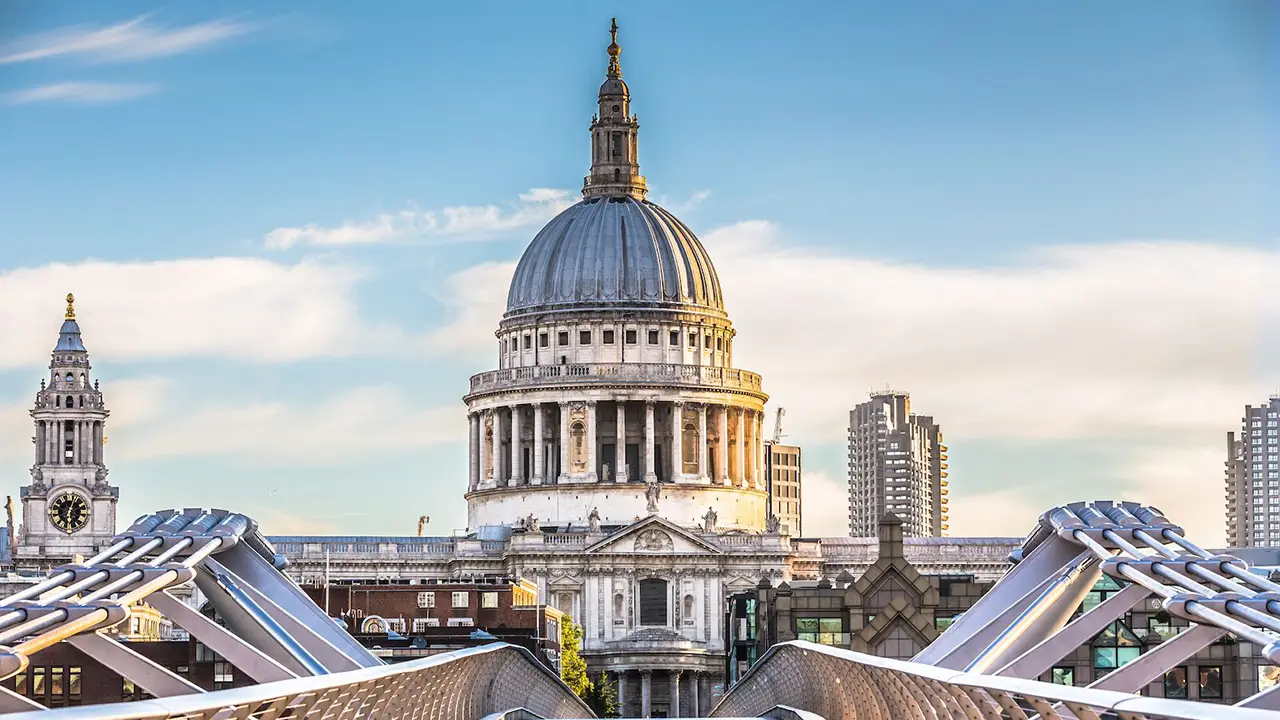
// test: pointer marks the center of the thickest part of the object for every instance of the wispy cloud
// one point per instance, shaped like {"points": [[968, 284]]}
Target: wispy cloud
{"points": [[84, 93], [136, 39], [534, 207]]}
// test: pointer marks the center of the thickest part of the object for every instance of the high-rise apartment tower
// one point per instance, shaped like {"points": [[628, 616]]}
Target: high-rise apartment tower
{"points": [[1253, 478], [898, 464]]}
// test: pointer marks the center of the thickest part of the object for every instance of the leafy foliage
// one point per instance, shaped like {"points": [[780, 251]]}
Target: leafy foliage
{"points": [[602, 697], [573, 669]]}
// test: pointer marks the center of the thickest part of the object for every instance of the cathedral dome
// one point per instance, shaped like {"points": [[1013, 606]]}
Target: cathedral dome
{"points": [[614, 252]]}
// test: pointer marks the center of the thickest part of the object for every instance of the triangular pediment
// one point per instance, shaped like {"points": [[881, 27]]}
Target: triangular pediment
{"points": [[653, 536]]}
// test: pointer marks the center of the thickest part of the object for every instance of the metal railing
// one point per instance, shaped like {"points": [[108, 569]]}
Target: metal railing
{"points": [[836, 683], [605, 373], [459, 685]]}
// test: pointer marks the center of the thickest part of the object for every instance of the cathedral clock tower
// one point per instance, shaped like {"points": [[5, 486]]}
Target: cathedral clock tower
{"points": [[69, 508]]}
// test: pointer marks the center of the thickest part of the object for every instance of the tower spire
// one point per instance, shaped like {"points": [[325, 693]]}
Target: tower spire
{"points": [[615, 70], [615, 163]]}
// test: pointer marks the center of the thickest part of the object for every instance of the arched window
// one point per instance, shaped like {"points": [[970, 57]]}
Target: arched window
{"points": [[83, 382], [617, 175], [57, 401], [688, 609], [653, 601], [71, 402], [70, 378], [689, 447]]}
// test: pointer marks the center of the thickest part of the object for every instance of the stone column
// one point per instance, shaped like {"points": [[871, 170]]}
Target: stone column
{"points": [[516, 475], [674, 711], [723, 447], [97, 442], [645, 677], [538, 444], [76, 450], [650, 474], [760, 481], [473, 450], [622, 693], [564, 442], [39, 440], [703, 442], [739, 454], [592, 476], [486, 447], [620, 444], [677, 444], [693, 693]]}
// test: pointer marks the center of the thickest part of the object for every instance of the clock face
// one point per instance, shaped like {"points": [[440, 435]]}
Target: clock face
{"points": [[68, 512]]}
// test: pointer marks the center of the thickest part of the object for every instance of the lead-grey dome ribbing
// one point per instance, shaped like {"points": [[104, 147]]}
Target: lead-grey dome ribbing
{"points": [[613, 252]]}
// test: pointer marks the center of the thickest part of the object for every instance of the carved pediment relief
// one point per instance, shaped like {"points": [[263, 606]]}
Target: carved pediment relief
{"points": [[654, 540]]}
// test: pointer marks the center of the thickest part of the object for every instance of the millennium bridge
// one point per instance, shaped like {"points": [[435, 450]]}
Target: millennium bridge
{"points": [[306, 666]]}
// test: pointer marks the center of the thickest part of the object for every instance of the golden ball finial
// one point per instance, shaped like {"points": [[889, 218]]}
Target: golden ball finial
{"points": [[71, 307], [615, 70]]}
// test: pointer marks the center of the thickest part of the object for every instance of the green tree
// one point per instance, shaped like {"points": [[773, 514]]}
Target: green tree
{"points": [[602, 698], [573, 669]]}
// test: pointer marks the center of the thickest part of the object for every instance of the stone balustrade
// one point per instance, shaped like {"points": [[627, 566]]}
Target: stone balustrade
{"points": [[608, 373]]}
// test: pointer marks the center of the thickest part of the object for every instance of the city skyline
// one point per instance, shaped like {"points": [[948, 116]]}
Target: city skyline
{"points": [[284, 313]]}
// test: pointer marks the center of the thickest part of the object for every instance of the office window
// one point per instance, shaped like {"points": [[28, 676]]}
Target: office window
{"points": [[420, 625], [1211, 681], [824, 631], [426, 599], [488, 599], [460, 600], [1113, 648], [1063, 676], [1175, 683], [223, 675]]}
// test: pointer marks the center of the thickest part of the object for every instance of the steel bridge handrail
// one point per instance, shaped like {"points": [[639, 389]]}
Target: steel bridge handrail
{"points": [[836, 682], [246, 701]]}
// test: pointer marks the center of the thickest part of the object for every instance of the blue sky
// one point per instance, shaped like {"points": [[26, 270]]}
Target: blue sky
{"points": [[1053, 225]]}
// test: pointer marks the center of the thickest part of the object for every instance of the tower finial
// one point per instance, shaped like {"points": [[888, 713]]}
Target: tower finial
{"points": [[615, 70], [71, 307]]}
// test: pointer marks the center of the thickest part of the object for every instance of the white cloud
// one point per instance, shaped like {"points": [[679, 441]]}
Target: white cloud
{"points": [[136, 39], [1153, 346], [533, 208], [84, 93], [476, 298], [824, 505], [244, 308], [315, 433]]}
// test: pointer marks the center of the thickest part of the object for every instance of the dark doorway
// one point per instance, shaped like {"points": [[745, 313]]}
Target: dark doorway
{"points": [[526, 471], [659, 463], [633, 462], [608, 454]]}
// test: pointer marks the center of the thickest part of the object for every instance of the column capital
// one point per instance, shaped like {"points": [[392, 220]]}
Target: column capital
{"points": [[676, 672], [536, 405], [650, 402], [645, 671], [591, 403]]}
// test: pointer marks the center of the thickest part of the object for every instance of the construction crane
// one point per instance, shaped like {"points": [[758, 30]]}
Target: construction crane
{"points": [[777, 427]]}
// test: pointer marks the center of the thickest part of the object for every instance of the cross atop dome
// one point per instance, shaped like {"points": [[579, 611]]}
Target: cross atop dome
{"points": [[615, 162]]}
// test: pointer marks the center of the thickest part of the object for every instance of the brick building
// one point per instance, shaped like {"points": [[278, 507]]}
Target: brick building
{"points": [[406, 621]]}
